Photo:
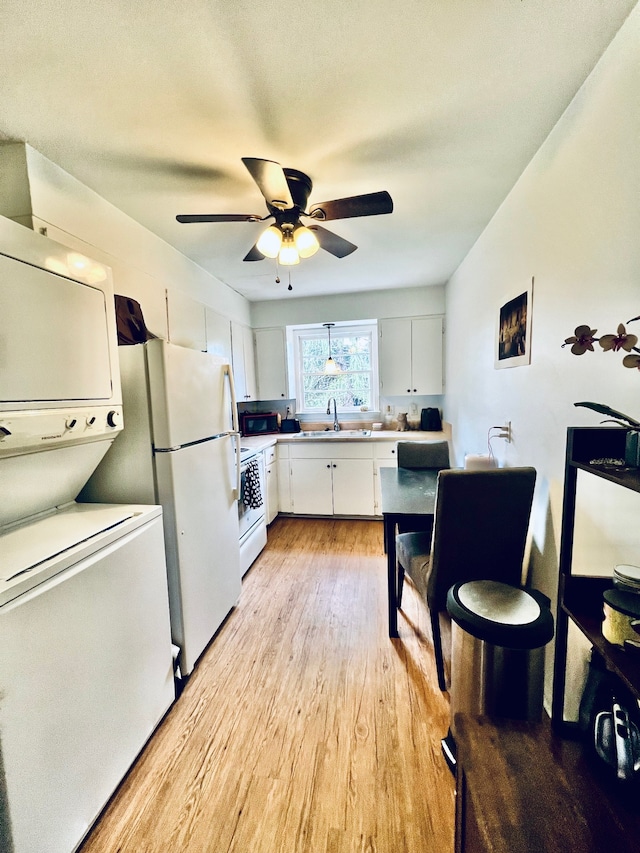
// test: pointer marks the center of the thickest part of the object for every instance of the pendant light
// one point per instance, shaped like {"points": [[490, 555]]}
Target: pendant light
{"points": [[330, 367]]}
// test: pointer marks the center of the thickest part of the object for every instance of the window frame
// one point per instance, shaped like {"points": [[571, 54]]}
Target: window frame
{"points": [[297, 333]]}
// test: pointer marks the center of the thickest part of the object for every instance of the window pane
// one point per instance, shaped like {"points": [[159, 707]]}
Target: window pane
{"points": [[353, 386]]}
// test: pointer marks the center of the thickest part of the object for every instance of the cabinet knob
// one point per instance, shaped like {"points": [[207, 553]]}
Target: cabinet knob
{"points": [[328, 466], [334, 465]]}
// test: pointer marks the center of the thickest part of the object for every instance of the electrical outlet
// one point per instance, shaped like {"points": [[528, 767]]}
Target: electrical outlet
{"points": [[505, 431]]}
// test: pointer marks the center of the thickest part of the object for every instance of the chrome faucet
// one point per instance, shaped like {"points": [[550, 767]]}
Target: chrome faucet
{"points": [[336, 425]]}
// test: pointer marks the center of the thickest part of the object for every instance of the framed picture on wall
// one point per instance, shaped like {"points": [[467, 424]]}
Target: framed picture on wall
{"points": [[513, 337]]}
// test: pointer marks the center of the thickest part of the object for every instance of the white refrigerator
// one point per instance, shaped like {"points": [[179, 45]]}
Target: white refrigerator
{"points": [[180, 448]]}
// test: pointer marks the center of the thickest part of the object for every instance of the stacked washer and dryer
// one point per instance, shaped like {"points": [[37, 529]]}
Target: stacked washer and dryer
{"points": [[86, 663]]}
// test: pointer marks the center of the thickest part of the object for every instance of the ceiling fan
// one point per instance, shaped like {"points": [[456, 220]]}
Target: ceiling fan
{"points": [[286, 192]]}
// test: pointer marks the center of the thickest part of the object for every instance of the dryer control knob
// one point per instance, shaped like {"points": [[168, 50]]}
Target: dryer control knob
{"points": [[4, 432], [71, 423], [113, 419], [91, 419]]}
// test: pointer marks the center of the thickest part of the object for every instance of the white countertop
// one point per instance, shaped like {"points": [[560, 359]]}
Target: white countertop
{"points": [[262, 442]]}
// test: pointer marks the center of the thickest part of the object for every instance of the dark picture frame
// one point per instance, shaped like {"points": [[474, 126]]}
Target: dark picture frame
{"points": [[513, 336]]}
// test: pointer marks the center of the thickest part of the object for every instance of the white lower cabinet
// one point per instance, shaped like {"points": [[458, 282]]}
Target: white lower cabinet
{"points": [[311, 486], [332, 478], [271, 477], [284, 478], [385, 456]]}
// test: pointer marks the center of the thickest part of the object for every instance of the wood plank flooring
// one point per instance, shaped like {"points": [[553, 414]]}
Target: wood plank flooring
{"points": [[303, 727]]}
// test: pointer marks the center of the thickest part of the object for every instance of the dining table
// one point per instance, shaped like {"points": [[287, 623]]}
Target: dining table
{"points": [[408, 496]]}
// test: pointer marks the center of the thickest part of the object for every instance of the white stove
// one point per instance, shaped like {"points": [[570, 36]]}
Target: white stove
{"points": [[251, 514]]}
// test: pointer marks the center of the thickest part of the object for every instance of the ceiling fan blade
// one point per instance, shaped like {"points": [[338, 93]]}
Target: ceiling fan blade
{"points": [[332, 243], [370, 204], [218, 217], [254, 255], [271, 180]]}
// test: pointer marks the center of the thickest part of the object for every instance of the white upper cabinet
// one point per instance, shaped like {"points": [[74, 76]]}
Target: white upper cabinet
{"points": [[271, 364], [410, 356], [218, 334], [186, 321], [242, 357]]}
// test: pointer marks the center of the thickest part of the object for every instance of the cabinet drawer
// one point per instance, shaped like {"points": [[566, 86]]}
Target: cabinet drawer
{"points": [[331, 449], [386, 449], [270, 455]]}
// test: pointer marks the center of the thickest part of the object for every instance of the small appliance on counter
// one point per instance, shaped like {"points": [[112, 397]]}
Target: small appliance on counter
{"points": [[430, 420], [290, 425], [259, 423]]}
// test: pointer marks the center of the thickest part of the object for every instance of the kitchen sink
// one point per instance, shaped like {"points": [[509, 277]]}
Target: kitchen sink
{"points": [[330, 433]]}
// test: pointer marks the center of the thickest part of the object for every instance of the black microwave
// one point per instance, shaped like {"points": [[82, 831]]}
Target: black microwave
{"points": [[259, 423]]}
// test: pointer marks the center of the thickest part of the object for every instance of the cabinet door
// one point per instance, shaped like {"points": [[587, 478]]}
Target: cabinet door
{"points": [[271, 475], [381, 463], [186, 321], [394, 354], [284, 488], [218, 334], [271, 364], [244, 371], [311, 492], [353, 492], [426, 355], [237, 361], [251, 391]]}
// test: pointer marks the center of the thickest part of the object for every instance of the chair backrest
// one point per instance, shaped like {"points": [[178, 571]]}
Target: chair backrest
{"points": [[423, 454], [480, 528]]}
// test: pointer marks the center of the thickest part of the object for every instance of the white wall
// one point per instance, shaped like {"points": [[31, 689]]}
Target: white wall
{"points": [[406, 302], [143, 265], [573, 223]]}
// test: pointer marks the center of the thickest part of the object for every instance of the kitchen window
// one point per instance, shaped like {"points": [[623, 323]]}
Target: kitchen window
{"points": [[354, 349]]}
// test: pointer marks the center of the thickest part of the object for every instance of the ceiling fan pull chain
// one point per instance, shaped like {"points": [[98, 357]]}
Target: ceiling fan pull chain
{"points": [[290, 287]]}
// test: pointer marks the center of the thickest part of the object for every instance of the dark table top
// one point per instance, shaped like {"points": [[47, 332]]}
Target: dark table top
{"points": [[408, 491]]}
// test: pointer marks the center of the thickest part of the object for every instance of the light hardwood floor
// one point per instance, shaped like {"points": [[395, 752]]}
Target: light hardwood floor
{"points": [[303, 727]]}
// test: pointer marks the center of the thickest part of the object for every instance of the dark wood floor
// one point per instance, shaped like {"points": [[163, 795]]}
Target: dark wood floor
{"points": [[303, 727]]}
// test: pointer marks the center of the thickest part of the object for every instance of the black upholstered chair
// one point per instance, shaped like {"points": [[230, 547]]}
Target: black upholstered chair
{"points": [[422, 454], [480, 531]]}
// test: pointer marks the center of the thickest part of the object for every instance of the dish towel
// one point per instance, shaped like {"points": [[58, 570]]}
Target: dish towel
{"points": [[251, 492]]}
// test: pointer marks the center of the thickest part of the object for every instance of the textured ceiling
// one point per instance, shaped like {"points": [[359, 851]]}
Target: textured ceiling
{"points": [[441, 102]]}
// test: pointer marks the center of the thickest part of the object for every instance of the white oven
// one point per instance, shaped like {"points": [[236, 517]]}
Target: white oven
{"points": [[251, 507]]}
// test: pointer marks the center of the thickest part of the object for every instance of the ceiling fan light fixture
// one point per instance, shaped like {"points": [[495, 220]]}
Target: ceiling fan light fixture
{"points": [[288, 255], [270, 242], [306, 241]]}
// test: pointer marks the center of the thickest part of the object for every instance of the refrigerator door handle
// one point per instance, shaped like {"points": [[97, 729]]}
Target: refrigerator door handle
{"points": [[235, 421], [236, 491], [235, 426]]}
